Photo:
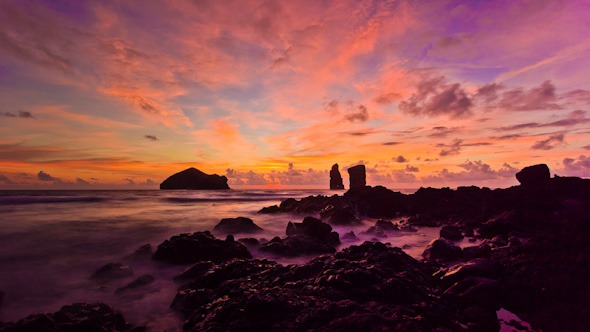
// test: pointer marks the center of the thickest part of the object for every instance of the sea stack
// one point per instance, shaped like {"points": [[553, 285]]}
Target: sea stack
{"points": [[358, 176], [194, 179], [336, 178], [533, 175]]}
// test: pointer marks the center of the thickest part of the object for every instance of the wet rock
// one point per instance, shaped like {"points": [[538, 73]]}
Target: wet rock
{"points": [[500, 224], [350, 236], [192, 178], [482, 251], [358, 176], [199, 246], [367, 287], [112, 271], [87, 317], [533, 175], [297, 245], [314, 228], [196, 270], [336, 178], [236, 225], [479, 267], [441, 249], [471, 291], [140, 281], [386, 225], [451, 232], [339, 216]]}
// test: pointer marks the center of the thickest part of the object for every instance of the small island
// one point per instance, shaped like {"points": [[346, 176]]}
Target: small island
{"points": [[194, 179]]}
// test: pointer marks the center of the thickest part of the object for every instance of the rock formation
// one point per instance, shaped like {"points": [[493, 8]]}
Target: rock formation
{"points": [[236, 225], [336, 178], [532, 175], [192, 178], [358, 177]]}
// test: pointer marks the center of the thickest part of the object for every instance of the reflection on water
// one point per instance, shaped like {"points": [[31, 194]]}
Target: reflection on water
{"points": [[52, 241]]}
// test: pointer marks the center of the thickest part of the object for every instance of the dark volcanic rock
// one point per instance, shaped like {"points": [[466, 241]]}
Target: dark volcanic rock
{"points": [[336, 178], [363, 288], [441, 249], [479, 267], [199, 246], [533, 175], [314, 228], [143, 251], [377, 202], [350, 236], [140, 281], [339, 216], [451, 232], [375, 231], [358, 176], [237, 225], [297, 245], [482, 251], [250, 242], [196, 270], [87, 317], [480, 291], [192, 178], [112, 271]]}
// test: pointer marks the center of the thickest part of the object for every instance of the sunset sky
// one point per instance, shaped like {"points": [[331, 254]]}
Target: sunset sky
{"points": [[122, 94]]}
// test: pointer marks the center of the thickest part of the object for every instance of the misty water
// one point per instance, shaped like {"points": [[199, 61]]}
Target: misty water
{"points": [[52, 241]]}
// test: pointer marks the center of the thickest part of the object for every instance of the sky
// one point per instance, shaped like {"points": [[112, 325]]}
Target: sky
{"points": [[123, 94]]}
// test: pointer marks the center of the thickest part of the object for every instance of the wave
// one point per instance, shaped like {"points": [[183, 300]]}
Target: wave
{"points": [[218, 199], [49, 199]]}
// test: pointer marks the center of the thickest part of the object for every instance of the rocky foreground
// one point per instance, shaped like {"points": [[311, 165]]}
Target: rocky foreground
{"points": [[534, 261]]}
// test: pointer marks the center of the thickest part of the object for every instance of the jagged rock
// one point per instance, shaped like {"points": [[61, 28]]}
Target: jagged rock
{"points": [[237, 225], [145, 250], [481, 291], [358, 176], [532, 175], [112, 271], [451, 232], [363, 288], [140, 281], [270, 209], [87, 317], [194, 271], [479, 267], [297, 245], [194, 179], [441, 249], [199, 246], [336, 178], [339, 216]]}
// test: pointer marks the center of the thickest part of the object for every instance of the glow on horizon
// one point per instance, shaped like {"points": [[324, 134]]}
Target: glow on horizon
{"points": [[117, 94]]}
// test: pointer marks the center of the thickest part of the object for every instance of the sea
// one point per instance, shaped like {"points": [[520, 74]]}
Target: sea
{"points": [[52, 241]]}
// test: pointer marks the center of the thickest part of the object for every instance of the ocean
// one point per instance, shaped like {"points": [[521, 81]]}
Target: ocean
{"points": [[52, 241]]}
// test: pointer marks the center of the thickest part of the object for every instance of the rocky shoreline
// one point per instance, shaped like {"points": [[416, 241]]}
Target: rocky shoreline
{"points": [[533, 260]]}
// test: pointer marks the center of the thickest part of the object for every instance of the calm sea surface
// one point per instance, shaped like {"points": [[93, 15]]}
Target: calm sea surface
{"points": [[52, 241]]}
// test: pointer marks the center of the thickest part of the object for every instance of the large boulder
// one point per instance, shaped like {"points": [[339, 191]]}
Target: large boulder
{"points": [[237, 225], [533, 175], [297, 245], [192, 178], [199, 246], [358, 176], [339, 216], [441, 249], [314, 228], [336, 178]]}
